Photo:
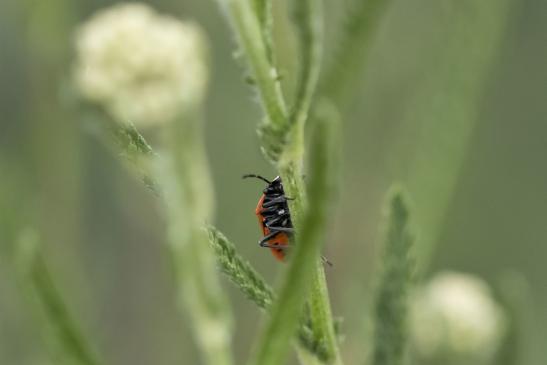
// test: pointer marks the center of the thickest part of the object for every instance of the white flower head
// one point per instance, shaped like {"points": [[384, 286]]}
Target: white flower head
{"points": [[455, 315], [141, 66]]}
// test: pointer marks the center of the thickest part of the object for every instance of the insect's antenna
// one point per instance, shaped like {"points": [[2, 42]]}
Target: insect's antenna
{"points": [[257, 177]]}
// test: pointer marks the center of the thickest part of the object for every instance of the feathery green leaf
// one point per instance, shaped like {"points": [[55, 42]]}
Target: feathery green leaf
{"points": [[390, 302]]}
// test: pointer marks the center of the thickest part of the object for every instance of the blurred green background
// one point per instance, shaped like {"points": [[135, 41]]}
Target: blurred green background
{"points": [[451, 102]]}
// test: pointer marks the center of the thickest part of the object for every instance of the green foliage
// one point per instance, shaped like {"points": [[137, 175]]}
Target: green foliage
{"points": [[440, 116], [391, 297]]}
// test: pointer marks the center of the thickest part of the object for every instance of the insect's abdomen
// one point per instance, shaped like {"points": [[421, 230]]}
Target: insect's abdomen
{"points": [[281, 239]]}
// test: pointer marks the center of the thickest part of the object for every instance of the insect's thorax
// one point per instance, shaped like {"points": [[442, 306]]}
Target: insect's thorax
{"points": [[274, 207]]}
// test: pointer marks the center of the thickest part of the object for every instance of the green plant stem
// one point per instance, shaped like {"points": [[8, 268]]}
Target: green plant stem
{"points": [[273, 343], [321, 315], [65, 332], [390, 303], [308, 19], [183, 172], [346, 62], [263, 11], [320, 311], [247, 27], [248, 30]]}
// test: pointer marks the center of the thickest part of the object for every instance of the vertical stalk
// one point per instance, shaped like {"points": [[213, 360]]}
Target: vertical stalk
{"points": [[273, 343], [249, 31], [291, 173], [183, 170]]}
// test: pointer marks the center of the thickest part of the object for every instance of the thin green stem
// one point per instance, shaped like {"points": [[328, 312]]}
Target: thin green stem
{"points": [[321, 315], [273, 343], [390, 304], [248, 30], [266, 76], [308, 19], [65, 332], [263, 10], [320, 311], [188, 196]]}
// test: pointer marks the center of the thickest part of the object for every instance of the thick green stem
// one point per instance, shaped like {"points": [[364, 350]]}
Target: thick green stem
{"points": [[188, 195]]}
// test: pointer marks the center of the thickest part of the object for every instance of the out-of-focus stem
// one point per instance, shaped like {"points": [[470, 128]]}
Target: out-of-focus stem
{"points": [[183, 173]]}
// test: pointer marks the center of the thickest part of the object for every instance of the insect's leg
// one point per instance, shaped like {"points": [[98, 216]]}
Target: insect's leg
{"points": [[277, 246], [275, 219], [267, 237], [274, 201], [326, 261], [280, 229]]}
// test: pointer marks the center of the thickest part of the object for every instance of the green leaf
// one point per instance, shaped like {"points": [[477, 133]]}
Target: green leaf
{"points": [[391, 297]]}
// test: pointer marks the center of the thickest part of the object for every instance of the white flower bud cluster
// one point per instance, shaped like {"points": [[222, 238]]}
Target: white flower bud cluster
{"points": [[140, 66], [455, 316]]}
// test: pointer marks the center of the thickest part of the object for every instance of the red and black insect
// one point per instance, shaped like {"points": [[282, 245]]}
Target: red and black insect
{"points": [[274, 217]]}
